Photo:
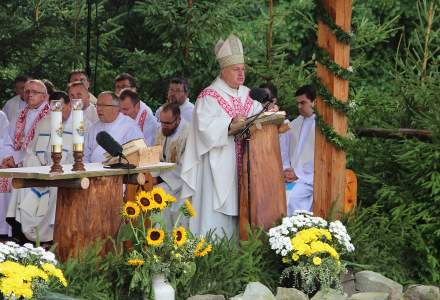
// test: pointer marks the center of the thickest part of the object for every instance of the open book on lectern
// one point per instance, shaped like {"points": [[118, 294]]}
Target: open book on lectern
{"points": [[268, 117], [137, 153]]}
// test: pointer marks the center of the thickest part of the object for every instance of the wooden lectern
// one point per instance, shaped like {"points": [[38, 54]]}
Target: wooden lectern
{"points": [[262, 191]]}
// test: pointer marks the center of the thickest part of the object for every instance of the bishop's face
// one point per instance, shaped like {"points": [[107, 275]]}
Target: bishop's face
{"points": [[35, 94], [234, 75]]}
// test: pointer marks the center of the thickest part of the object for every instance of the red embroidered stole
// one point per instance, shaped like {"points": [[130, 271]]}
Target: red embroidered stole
{"points": [[142, 119]]}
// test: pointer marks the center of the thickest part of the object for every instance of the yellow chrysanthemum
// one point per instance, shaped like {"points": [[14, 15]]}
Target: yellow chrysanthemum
{"points": [[200, 251], [179, 236], [295, 257], [145, 201], [286, 260], [16, 286], [159, 197], [316, 261], [189, 208], [155, 237], [135, 262], [32, 272], [131, 210], [51, 270]]}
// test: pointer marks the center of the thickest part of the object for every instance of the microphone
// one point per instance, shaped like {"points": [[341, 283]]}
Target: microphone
{"points": [[260, 95], [108, 143]]}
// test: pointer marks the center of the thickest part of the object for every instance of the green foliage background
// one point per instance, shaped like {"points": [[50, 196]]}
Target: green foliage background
{"points": [[395, 55]]}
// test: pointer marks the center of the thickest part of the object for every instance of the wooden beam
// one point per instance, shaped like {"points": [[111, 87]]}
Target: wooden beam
{"points": [[329, 175], [78, 183], [400, 133]]}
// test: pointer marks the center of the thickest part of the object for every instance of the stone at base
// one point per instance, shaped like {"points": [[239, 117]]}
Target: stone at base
{"points": [[329, 294], [290, 294], [422, 292], [370, 296], [368, 281], [207, 297]]}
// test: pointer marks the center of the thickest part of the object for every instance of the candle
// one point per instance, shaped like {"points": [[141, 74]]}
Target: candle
{"points": [[78, 122], [56, 125]]}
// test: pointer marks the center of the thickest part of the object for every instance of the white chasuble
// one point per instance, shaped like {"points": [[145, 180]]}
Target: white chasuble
{"points": [[123, 129], [209, 165]]}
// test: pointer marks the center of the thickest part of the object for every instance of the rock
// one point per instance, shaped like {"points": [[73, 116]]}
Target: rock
{"points": [[329, 294], [368, 281], [207, 297], [422, 292], [290, 294], [237, 297], [370, 296], [257, 291]]}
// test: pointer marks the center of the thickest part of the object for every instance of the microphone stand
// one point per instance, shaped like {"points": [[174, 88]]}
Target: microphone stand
{"points": [[245, 131]]}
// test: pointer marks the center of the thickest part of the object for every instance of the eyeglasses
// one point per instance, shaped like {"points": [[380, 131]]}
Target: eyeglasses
{"points": [[33, 92], [168, 123], [106, 105]]}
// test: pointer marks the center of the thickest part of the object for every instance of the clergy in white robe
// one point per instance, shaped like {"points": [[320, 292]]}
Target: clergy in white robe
{"points": [[77, 90], [14, 105], [172, 136], [122, 128], [22, 130], [4, 182], [178, 92], [34, 208], [134, 108], [81, 75], [209, 165], [299, 162]]}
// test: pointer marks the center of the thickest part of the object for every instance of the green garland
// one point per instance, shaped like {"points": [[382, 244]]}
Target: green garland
{"points": [[330, 134], [324, 59], [322, 14], [328, 98], [340, 142]]}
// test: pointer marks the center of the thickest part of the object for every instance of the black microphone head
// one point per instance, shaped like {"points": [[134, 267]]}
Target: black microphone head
{"points": [[260, 95], [108, 143]]}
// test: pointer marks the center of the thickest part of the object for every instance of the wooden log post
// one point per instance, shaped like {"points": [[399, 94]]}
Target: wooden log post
{"points": [[329, 174], [83, 216]]}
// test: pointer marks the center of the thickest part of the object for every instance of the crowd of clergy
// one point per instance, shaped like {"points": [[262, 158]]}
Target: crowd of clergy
{"points": [[193, 136]]}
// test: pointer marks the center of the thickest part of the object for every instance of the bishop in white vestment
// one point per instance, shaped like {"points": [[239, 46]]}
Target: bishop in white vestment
{"points": [[209, 166], [122, 128], [34, 208]]}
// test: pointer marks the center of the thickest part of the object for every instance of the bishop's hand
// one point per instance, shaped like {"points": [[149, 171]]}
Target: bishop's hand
{"points": [[237, 122]]}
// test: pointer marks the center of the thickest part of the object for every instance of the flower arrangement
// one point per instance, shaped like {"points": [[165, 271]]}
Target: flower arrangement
{"points": [[26, 271], [311, 248], [158, 248]]}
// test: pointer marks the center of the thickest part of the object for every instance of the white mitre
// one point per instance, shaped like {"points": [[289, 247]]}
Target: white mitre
{"points": [[229, 52]]}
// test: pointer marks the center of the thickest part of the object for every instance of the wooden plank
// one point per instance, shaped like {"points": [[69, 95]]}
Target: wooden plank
{"points": [[77, 183], [329, 174], [92, 170]]}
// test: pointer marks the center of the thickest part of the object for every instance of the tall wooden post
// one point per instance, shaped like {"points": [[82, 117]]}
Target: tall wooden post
{"points": [[329, 176]]}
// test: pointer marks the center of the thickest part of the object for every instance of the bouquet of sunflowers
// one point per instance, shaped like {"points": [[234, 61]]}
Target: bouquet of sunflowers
{"points": [[311, 248], [157, 248], [26, 271]]}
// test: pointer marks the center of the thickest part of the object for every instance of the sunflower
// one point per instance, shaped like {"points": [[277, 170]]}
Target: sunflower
{"points": [[200, 251], [135, 262], [179, 236], [155, 237], [144, 200], [131, 210], [189, 209], [171, 199], [159, 198]]}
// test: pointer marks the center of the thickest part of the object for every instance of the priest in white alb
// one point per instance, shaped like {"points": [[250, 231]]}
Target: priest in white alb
{"points": [[211, 158], [172, 136], [178, 92], [134, 108], [34, 208], [123, 129], [22, 130], [299, 162], [14, 105]]}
